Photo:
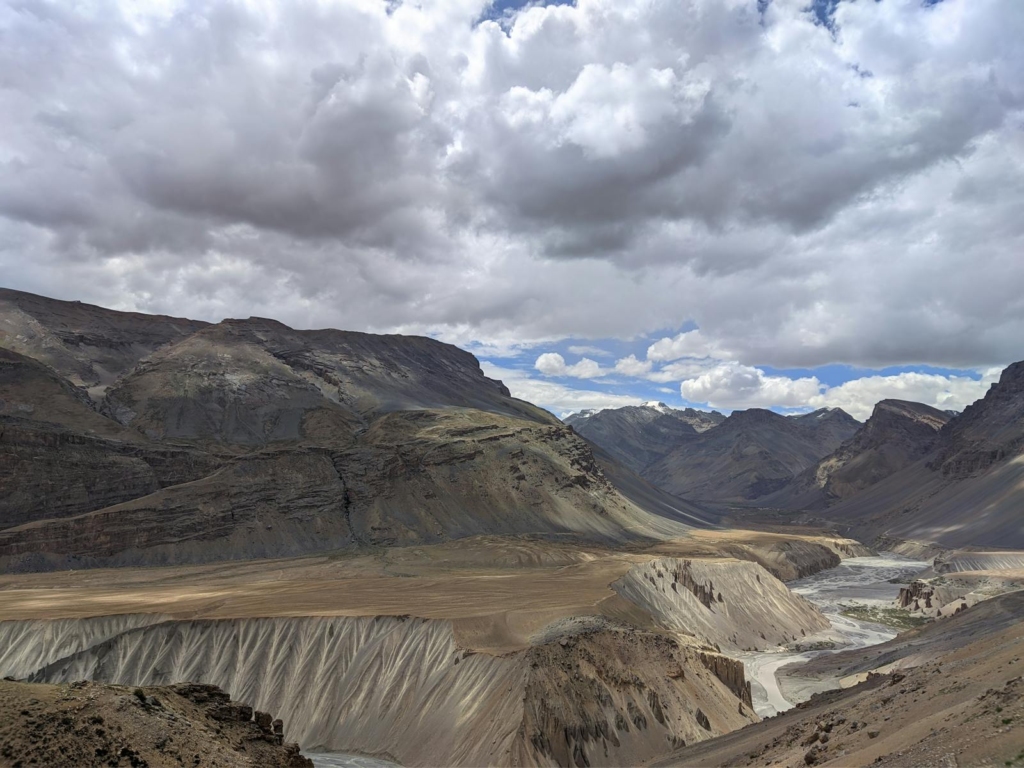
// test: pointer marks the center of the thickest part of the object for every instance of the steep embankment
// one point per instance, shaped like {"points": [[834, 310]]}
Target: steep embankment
{"points": [[735, 605], [402, 687], [963, 704], [593, 658], [87, 724]]}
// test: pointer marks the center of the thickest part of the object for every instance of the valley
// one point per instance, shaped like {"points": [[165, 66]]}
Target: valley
{"points": [[369, 538]]}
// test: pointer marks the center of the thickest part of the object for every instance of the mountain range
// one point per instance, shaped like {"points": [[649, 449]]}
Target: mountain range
{"points": [[135, 439]]}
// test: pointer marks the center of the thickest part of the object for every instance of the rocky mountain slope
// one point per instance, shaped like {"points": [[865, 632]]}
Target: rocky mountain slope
{"points": [[897, 434], [250, 439], [637, 436], [750, 455], [89, 724], [967, 491]]}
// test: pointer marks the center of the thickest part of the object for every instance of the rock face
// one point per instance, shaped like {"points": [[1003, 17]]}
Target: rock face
{"points": [[897, 434], [637, 436], [750, 455], [967, 491], [250, 439], [85, 724]]}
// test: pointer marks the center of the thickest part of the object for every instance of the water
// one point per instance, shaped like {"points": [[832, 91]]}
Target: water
{"points": [[338, 760], [856, 581]]}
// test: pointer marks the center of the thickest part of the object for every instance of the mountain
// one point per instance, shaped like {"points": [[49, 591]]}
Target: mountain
{"points": [[967, 491], [638, 435], [750, 454], [247, 438], [897, 434], [88, 345]]}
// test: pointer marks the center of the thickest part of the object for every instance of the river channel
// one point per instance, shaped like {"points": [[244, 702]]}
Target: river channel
{"points": [[865, 581]]}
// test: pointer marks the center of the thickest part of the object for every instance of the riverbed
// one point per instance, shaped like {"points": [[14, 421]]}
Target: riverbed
{"points": [[867, 581]]}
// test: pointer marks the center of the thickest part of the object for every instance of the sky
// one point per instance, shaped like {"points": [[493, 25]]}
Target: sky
{"points": [[786, 204]]}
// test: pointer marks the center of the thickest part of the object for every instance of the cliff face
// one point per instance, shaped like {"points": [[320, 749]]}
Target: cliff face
{"points": [[733, 605], [988, 432]]}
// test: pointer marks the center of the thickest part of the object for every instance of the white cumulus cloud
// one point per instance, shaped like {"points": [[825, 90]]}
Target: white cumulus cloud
{"points": [[553, 364]]}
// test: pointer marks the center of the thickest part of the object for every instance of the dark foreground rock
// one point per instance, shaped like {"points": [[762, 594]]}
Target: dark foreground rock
{"points": [[90, 724]]}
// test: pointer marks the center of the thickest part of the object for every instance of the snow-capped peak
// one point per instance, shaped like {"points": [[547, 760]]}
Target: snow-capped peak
{"points": [[660, 407]]}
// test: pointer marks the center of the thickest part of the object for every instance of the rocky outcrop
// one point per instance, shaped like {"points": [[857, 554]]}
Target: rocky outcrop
{"points": [[987, 433], [85, 724], [731, 672]]}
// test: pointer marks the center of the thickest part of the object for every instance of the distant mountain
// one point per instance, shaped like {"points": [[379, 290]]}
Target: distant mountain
{"points": [[637, 436], [130, 439], [968, 490], [897, 434], [750, 454]]}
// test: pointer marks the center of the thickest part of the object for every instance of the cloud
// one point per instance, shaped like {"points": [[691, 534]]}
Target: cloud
{"points": [[557, 398], [588, 349], [630, 366], [735, 386], [731, 385], [688, 344], [603, 169], [553, 364], [858, 397]]}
